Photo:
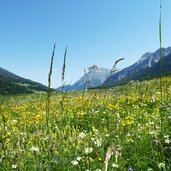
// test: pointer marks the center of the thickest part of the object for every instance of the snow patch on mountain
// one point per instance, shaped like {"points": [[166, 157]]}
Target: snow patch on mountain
{"points": [[144, 57]]}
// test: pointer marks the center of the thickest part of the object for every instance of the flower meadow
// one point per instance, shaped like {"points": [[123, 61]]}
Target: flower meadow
{"points": [[125, 128]]}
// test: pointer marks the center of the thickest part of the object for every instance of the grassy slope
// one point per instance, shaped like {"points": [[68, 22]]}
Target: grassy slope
{"points": [[13, 84]]}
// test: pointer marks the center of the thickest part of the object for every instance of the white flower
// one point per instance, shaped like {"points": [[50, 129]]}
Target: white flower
{"points": [[14, 121], [114, 165], [14, 166], [82, 135], [98, 170], [166, 136], [79, 158], [95, 130], [153, 133], [167, 141], [161, 165], [107, 135], [98, 142], [74, 162], [23, 140], [34, 149], [151, 123], [91, 160], [88, 150], [152, 99], [21, 150]]}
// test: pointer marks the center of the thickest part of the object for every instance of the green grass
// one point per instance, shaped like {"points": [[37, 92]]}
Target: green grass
{"points": [[124, 120]]}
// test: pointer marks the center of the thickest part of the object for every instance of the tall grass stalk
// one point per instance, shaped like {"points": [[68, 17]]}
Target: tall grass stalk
{"points": [[113, 71], [161, 63], [49, 90], [63, 77], [64, 66], [161, 79]]}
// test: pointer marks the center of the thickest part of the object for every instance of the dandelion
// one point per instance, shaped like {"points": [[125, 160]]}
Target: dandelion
{"points": [[74, 162]]}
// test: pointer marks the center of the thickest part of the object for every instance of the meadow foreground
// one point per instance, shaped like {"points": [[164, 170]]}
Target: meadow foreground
{"points": [[123, 128]]}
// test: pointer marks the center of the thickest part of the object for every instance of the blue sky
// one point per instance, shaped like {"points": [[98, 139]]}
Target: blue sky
{"points": [[95, 31]]}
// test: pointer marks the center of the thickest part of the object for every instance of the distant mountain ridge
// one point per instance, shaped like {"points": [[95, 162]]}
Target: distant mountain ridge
{"points": [[147, 67], [154, 71], [93, 78], [13, 84], [147, 61]]}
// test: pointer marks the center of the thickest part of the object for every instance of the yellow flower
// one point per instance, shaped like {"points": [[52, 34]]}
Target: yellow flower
{"points": [[128, 121]]}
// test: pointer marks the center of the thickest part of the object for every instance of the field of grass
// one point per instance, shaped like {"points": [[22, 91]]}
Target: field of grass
{"points": [[125, 128]]}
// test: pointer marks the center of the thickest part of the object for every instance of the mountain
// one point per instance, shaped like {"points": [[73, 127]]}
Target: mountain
{"points": [[147, 61], [64, 88], [154, 71], [14, 84], [93, 78]]}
